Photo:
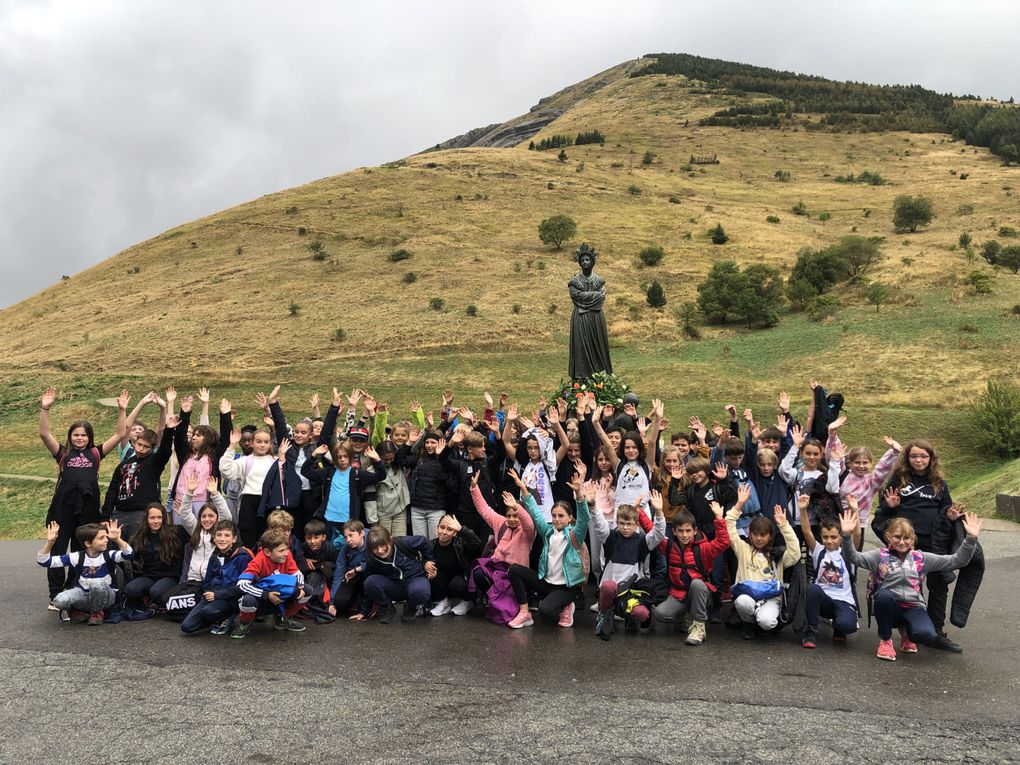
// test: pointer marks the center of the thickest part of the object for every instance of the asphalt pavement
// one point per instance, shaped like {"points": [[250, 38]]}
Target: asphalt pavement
{"points": [[461, 690]]}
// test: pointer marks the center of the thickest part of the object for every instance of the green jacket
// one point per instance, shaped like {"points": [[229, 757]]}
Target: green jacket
{"points": [[573, 569]]}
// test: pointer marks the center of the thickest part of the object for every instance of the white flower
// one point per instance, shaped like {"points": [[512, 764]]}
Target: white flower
{"points": [[619, 401], [625, 387], [584, 387]]}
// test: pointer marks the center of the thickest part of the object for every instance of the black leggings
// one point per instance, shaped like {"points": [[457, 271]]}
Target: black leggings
{"points": [[249, 525], [555, 597], [450, 586]]}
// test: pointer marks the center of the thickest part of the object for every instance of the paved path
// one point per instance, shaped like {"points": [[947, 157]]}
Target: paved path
{"points": [[460, 690]]}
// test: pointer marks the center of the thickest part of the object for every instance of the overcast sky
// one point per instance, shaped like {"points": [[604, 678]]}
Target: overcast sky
{"points": [[119, 120]]}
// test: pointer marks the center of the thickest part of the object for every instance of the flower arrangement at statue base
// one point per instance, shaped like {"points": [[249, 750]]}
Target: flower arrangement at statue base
{"points": [[607, 387]]}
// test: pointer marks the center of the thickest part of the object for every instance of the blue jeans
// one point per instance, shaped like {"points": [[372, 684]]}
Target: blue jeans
{"points": [[208, 613], [818, 604], [383, 591], [890, 614]]}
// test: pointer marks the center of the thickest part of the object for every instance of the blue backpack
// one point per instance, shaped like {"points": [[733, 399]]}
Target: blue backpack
{"points": [[284, 584]]}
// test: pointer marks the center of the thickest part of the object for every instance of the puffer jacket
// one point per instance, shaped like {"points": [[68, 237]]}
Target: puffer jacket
{"points": [[947, 538], [428, 483]]}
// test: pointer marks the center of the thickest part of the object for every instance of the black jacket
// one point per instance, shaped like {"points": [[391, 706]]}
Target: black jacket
{"points": [[460, 472], [947, 537], [428, 482], [466, 546], [321, 474], [135, 481]]}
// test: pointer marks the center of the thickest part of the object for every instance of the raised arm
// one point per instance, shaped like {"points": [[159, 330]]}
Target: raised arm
{"points": [[561, 434], [508, 446], [122, 425], [805, 523], [596, 422], [45, 402]]}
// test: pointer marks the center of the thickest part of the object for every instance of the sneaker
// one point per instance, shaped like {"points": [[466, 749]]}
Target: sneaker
{"points": [[96, 618], [696, 635], [602, 619], [630, 626], [810, 639], [886, 650], [441, 608], [523, 619], [567, 616], [906, 644], [241, 630], [748, 631], [220, 629], [386, 614], [74, 616], [463, 608], [594, 608], [140, 614], [839, 638], [289, 624], [943, 643], [51, 606]]}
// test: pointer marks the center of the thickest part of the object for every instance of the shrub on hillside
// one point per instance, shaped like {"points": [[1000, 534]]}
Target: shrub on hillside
{"points": [[910, 212], [688, 317], [718, 235], [318, 250], [990, 251], [799, 209], [822, 269], [398, 255], [648, 158], [1009, 257], [965, 239], [632, 189], [471, 310], [293, 308], [655, 295], [772, 219], [436, 303], [878, 294], [410, 277], [753, 295], [996, 419], [651, 256]]}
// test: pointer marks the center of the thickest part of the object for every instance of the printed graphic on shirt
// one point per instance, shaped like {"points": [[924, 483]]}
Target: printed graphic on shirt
{"points": [[79, 460], [832, 573], [128, 481]]}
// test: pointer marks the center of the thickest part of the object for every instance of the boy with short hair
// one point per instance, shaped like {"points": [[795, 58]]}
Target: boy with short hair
{"points": [[349, 573], [689, 558], [217, 604], [284, 521], [398, 569], [273, 559], [320, 558], [92, 591]]}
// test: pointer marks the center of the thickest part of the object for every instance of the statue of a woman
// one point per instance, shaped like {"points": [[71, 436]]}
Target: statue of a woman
{"points": [[589, 338]]}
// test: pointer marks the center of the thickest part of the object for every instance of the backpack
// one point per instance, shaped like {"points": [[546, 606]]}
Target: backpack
{"points": [[284, 584], [582, 551], [77, 568], [823, 504], [876, 578], [827, 409], [493, 542], [645, 591]]}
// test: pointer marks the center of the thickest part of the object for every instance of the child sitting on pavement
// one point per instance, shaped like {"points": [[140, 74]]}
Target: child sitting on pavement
{"points": [[92, 590], [265, 591], [349, 573], [217, 605]]}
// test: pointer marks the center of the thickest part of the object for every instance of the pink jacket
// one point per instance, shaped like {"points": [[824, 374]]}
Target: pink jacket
{"points": [[863, 488], [515, 544]]}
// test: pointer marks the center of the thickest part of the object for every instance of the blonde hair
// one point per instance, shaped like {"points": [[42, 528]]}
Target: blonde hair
{"points": [[900, 527], [626, 513], [857, 452], [280, 519], [767, 455]]}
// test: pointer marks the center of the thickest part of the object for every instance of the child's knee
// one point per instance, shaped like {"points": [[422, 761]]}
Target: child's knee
{"points": [[548, 610], [698, 587], [609, 588], [249, 604], [766, 619], [745, 607]]}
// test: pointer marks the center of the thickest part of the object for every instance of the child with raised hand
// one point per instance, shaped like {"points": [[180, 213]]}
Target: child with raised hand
{"points": [[690, 556], [804, 478], [343, 485], [127, 445], [454, 552], [217, 604], [427, 483], [561, 570], [917, 491], [251, 473], [898, 575], [862, 478], [135, 482], [626, 550], [159, 548], [196, 453], [271, 584], [513, 534], [758, 587], [630, 466], [762, 462], [603, 476], [76, 496], [832, 593], [534, 458], [393, 494], [92, 570]]}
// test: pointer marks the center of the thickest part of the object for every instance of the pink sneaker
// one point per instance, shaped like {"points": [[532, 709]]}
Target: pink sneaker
{"points": [[567, 616], [906, 644], [523, 619], [886, 650]]}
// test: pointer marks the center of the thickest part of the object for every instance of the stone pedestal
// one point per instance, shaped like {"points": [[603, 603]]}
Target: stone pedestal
{"points": [[1008, 506]]}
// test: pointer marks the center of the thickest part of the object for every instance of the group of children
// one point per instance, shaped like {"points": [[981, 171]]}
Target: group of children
{"points": [[510, 513]]}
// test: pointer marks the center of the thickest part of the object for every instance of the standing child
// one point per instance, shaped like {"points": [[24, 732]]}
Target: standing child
{"points": [[898, 575], [343, 485], [805, 478], [76, 497], [832, 593], [758, 586], [92, 590], [251, 473], [272, 583], [217, 606], [196, 452], [857, 478], [393, 495]]}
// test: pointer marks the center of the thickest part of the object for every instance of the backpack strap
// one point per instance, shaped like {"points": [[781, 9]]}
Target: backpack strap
{"points": [[699, 564]]}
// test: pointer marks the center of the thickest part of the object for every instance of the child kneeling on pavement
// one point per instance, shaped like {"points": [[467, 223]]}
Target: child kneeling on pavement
{"points": [[271, 584], [217, 605], [398, 569], [93, 569]]}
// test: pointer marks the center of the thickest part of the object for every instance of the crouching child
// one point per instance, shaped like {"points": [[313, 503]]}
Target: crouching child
{"points": [[217, 605], [320, 561], [91, 589], [398, 569], [271, 584], [349, 573]]}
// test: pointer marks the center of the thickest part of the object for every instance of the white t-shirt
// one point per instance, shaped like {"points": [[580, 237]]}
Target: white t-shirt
{"points": [[631, 484], [541, 489], [832, 574], [554, 559]]}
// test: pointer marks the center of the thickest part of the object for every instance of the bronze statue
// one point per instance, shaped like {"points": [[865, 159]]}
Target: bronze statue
{"points": [[589, 338]]}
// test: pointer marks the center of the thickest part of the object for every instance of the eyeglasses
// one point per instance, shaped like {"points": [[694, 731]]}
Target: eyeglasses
{"points": [[627, 524], [901, 538]]}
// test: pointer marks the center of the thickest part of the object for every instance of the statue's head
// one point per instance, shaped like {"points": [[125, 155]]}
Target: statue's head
{"points": [[585, 256]]}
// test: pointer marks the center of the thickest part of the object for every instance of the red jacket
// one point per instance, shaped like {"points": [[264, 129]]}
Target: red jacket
{"points": [[261, 567], [681, 560]]}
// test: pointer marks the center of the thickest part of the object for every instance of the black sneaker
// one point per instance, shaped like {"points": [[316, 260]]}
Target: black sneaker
{"points": [[943, 643], [289, 624], [630, 626], [715, 615], [748, 631], [409, 614], [386, 614]]}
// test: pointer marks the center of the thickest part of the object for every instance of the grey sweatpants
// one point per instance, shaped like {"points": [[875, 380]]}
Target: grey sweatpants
{"points": [[96, 598], [696, 601]]}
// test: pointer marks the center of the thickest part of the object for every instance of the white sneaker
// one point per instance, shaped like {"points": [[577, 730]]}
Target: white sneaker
{"points": [[462, 608], [52, 606], [594, 607], [441, 608]]}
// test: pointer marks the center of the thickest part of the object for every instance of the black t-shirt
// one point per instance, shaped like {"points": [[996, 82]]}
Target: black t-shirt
{"points": [[446, 559], [79, 467]]}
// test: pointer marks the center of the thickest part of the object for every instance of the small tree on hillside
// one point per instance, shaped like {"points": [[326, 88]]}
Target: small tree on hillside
{"points": [[990, 251], [557, 230], [655, 296], [687, 316], [718, 235], [996, 418], [1009, 257], [911, 212], [878, 294], [718, 294], [822, 270], [859, 253], [651, 256]]}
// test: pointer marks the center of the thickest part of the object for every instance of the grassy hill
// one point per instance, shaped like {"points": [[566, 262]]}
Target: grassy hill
{"points": [[303, 286]]}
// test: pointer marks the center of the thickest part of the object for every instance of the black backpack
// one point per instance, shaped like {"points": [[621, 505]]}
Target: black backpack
{"points": [[823, 504], [646, 591], [77, 568], [827, 409]]}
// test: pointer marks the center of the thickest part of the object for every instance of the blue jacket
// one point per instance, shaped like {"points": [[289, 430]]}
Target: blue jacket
{"points": [[406, 560], [573, 568], [347, 558], [221, 576]]}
